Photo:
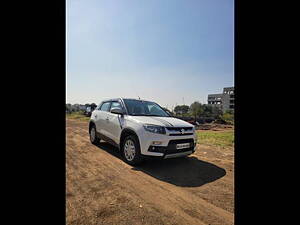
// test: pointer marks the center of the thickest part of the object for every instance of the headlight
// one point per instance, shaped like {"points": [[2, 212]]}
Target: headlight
{"points": [[155, 129]]}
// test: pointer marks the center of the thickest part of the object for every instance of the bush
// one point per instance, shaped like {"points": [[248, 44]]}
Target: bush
{"points": [[228, 118], [77, 115]]}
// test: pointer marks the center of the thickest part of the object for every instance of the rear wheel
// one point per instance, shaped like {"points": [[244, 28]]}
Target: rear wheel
{"points": [[93, 136], [131, 150]]}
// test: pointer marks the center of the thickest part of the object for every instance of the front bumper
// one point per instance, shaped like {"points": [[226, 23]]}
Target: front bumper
{"points": [[167, 148], [168, 156], [179, 154]]}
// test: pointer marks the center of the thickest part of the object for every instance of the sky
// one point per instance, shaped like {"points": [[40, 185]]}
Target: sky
{"points": [[172, 52]]}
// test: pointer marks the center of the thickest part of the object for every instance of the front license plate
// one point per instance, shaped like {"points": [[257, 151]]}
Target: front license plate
{"points": [[184, 145]]}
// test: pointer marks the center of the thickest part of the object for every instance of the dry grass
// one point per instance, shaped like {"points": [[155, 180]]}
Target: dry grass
{"points": [[77, 116], [216, 138]]}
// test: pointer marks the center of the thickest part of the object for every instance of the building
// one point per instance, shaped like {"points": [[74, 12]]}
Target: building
{"points": [[224, 101]]}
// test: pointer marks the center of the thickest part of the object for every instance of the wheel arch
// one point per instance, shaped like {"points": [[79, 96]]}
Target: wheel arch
{"points": [[126, 132], [91, 123]]}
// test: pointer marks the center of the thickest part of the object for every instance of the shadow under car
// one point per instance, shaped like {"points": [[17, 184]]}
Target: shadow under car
{"points": [[184, 172]]}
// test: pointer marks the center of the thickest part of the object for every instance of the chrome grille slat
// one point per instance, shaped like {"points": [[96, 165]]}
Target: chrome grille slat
{"points": [[179, 128], [176, 131]]}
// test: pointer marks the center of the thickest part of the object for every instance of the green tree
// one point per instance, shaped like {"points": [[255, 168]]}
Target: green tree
{"points": [[229, 111], [68, 108], [207, 110], [185, 109], [196, 109], [181, 109], [217, 112], [177, 109], [228, 118], [93, 106]]}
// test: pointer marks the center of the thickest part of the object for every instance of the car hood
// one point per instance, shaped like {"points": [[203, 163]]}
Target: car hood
{"points": [[161, 121]]}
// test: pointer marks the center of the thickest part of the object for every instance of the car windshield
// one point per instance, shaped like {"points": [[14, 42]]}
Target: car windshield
{"points": [[144, 108]]}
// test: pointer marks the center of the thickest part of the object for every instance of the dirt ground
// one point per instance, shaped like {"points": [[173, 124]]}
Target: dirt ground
{"points": [[102, 189], [214, 127]]}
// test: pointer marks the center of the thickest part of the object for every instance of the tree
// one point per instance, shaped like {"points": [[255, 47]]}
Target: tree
{"points": [[185, 109], [217, 112], [177, 109], [181, 109], [228, 118], [229, 111], [68, 108], [207, 110], [93, 106], [196, 109]]}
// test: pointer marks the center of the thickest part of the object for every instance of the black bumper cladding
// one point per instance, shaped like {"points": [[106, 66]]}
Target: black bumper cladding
{"points": [[171, 148]]}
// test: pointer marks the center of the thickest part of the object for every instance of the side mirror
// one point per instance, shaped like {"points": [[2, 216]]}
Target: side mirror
{"points": [[117, 111]]}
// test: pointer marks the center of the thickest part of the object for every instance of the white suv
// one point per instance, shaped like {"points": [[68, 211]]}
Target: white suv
{"points": [[141, 129]]}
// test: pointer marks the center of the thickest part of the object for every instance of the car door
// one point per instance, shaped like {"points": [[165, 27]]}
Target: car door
{"points": [[101, 118], [114, 122]]}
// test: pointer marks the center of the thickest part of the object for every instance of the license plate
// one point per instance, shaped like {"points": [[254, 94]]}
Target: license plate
{"points": [[184, 145]]}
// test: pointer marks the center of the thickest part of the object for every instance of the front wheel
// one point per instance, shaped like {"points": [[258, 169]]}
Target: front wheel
{"points": [[93, 136], [131, 150]]}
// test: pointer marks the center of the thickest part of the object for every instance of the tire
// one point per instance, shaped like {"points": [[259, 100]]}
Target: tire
{"points": [[131, 150], [93, 136]]}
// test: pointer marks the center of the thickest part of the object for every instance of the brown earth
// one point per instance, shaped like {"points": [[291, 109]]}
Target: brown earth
{"points": [[214, 127], [102, 189]]}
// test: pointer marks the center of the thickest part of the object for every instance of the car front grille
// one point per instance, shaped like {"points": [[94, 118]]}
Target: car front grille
{"points": [[179, 131], [180, 134], [179, 128]]}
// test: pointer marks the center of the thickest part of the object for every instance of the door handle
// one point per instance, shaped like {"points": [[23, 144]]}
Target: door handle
{"points": [[96, 115], [107, 119]]}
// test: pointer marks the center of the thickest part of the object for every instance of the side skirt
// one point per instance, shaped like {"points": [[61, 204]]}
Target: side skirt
{"points": [[107, 139]]}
